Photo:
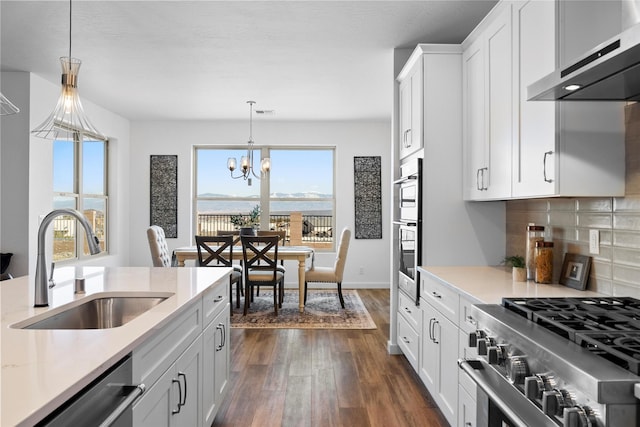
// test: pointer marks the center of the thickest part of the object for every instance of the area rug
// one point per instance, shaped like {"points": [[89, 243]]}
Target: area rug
{"points": [[322, 311]]}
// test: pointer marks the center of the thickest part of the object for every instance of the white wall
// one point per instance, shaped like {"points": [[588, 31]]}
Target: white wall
{"points": [[27, 179], [350, 139]]}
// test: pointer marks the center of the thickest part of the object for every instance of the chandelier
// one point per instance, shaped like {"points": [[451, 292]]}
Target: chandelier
{"points": [[246, 162], [68, 116], [6, 107]]}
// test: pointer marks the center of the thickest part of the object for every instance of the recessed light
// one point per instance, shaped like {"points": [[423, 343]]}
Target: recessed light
{"points": [[572, 87]]}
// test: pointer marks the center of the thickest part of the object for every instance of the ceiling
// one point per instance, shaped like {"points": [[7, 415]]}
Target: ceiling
{"points": [[202, 60]]}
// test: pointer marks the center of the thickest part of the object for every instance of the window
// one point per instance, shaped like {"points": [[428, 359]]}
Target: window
{"points": [[300, 187], [79, 182]]}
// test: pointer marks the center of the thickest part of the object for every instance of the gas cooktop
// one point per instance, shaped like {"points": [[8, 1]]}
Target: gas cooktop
{"points": [[608, 327]]}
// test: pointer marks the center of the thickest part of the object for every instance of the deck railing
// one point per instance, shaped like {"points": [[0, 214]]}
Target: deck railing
{"points": [[311, 230]]}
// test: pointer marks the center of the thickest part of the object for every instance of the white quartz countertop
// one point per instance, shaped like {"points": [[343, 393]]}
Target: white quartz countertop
{"points": [[41, 369], [488, 285]]}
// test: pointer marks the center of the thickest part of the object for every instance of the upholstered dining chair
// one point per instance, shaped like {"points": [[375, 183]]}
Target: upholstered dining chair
{"points": [[158, 245], [331, 274], [261, 268], [217, 251]]}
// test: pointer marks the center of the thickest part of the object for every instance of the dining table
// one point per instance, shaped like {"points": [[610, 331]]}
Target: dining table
{"points": [[291, 253]]}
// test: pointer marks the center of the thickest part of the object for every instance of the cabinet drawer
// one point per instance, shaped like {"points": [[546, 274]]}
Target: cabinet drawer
{"points": [[466, 322], [409, 341], [467, 383], [442, 298], [156, 354], [214, 300], [409, 310]]}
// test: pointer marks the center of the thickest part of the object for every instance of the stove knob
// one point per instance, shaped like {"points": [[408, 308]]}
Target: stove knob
{"points": [[484, 344], [552, 402], [517, 369], [533, 387], [474, 337], [574, 417], [496, 354]]}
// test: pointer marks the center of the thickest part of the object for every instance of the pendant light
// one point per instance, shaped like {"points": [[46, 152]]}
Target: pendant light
{"points": [[6, 107], [246, 162], [68, 116]]}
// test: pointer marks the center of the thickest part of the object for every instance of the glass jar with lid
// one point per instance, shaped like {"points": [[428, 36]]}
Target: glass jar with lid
{"points": [[535, 233], [544, 262]]}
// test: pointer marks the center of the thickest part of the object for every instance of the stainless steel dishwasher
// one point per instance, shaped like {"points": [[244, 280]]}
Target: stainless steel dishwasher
{"points": [[107, 401]]}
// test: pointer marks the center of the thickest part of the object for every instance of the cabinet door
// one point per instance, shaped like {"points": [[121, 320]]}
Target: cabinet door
{"points": [[154, 408], [473, 120], [535, 156], [466, 409], [429, 353], [188, 378], [216, 366], [497, 178], [174, 399], [446, 335], [411, 111]]}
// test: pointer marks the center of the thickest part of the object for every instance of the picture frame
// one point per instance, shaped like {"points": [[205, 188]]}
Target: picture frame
{"points": [[575, 271]]}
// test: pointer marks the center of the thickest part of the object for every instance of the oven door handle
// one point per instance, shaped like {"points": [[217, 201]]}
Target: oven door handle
{"points": [[510, 401], [407, 223]]}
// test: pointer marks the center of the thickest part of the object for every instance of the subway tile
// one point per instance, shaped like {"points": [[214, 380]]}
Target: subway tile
{"points": [[629, 257], [603, 286], [593, 220], [626, 274], [563, 205], [626, 290], [626, 239], [562, 219], [529, 205], [626, 204], [594, 205], [601, 269], [623, 221], [561, 233]]}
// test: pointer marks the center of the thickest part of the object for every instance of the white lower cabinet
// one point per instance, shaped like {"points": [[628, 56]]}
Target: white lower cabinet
{"points": [[466, 408], [185, 365], [438, 360], [215, 371], [174, 399]]}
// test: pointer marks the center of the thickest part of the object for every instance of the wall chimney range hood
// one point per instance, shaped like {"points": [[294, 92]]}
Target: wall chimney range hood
{"points": [[608, 72]]}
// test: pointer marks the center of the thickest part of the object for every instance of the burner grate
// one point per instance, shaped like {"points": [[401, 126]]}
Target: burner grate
{"points": [[622, 348]]}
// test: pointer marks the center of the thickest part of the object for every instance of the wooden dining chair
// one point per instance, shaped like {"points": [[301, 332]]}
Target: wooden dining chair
{"points": [[217, 251], [331, 274], [261, 268]]}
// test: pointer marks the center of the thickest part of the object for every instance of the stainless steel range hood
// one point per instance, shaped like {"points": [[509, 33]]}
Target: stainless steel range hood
{"points": [[608, 72]]}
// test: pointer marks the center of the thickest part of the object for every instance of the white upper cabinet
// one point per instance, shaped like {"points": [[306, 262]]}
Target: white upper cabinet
{"points": [[410, 137], [573, 149], [487, 113]]}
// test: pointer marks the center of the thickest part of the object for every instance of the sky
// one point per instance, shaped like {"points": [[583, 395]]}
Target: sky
{"points": [[292, 171]]}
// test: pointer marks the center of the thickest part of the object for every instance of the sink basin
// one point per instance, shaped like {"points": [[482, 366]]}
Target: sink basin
{"points": [[102, 311]]}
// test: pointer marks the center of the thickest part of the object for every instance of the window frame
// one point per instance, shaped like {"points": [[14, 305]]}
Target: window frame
{"points": [[79, 137], [265, 198]]}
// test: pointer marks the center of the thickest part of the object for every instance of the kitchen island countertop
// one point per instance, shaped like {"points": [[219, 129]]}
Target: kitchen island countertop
{"points": [[41, 369], [488, 285]]}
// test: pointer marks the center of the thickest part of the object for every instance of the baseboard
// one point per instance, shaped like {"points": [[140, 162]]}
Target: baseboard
{"points": [[393, 348]]}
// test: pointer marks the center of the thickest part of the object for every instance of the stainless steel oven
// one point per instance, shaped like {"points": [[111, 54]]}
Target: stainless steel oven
{"points": [[409, 222], [409, 252], [556, 362]]}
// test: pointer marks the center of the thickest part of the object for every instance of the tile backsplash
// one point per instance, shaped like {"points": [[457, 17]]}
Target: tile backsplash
{"points": [[616, 269]]}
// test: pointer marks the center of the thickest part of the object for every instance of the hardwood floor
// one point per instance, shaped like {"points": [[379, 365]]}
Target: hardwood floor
{"points": [[306, 377]]}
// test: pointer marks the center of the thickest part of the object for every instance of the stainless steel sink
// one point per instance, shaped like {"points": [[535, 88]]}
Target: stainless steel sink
{"points": [[100, 312]]}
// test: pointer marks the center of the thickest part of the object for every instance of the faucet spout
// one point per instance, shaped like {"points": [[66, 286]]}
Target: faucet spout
{"points": [[41, 284]]}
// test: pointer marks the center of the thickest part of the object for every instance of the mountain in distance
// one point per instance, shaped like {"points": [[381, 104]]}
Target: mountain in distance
{"points": [[307, 195]]}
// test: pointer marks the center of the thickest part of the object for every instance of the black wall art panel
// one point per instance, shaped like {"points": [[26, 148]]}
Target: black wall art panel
{"points": [[164, 193], [368, 197]]}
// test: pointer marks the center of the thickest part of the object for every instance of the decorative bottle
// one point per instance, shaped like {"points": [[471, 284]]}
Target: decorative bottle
{"points": [[535, 233]]}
